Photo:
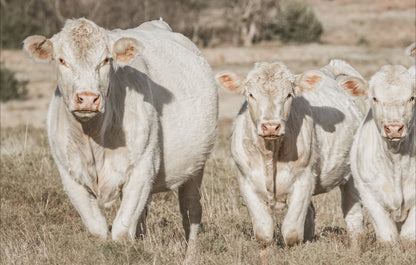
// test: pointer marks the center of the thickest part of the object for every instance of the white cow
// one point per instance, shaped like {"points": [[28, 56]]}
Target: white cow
{"points": [[383, 156], [350, 82], [134, 113], [289, 145]]}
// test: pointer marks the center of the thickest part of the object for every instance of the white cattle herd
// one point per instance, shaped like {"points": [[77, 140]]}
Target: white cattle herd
{"points": [[135, 113]]}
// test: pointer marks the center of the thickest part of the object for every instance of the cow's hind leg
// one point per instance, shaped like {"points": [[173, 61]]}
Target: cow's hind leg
{"points": [[191, 210], [309, 232], [141, 225], [352, 209], [190, 206]]}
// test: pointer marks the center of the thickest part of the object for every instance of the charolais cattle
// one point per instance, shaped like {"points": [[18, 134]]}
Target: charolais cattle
{"points": [[350, 82], [134, 113], [383, 156], [291, 140]]}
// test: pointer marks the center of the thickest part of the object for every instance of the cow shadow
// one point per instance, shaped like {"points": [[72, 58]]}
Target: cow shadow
{"points": [[126, 81], [323, 116]]}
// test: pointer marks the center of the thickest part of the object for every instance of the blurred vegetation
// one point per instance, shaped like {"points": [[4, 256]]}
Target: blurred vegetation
{"points": [[298, 23], [10, 87], [207, 23]]}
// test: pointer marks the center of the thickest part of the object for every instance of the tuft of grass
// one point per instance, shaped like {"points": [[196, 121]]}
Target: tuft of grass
{"points": [[39, 225]]}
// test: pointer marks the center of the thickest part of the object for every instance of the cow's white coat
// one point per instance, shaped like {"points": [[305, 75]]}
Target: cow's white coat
{"points": [[155, 127], [310, 156], [384, 169]]}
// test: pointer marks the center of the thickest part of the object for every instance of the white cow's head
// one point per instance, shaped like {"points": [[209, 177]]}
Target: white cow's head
{"points": [[392, 92], [392, 95], [269, 89], [83, 55]]}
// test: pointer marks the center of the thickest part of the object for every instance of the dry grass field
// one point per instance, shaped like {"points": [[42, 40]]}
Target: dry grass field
{"points": [[39, 225]]}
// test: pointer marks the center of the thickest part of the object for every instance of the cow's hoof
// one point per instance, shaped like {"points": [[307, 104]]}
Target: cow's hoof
{"points": [[292, 238]]}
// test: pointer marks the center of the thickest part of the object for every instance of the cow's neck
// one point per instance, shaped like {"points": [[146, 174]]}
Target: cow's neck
{"points": [[268, 150], [399, 154]]}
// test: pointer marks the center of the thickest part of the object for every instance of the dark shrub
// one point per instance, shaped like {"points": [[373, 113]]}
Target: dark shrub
{"points": [[10, 87], [298, 23]]}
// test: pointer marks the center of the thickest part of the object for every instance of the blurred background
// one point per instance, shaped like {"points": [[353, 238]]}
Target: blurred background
{"points": [[232, 34], [39, 225]]}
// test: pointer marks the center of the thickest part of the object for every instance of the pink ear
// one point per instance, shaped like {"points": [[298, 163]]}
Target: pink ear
{"points": [[230, 81], [125, 49], [308, 81], [38, 47], [354, 86], [411, 50]]}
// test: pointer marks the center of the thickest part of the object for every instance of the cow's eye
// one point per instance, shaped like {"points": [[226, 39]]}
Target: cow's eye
{"points": [[411, 99], [289, 95], [375, 100], [62, 61], [251, 96], [106, 61]]}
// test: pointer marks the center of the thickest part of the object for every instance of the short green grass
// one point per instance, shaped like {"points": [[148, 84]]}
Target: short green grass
{"points": [[40, 226]]}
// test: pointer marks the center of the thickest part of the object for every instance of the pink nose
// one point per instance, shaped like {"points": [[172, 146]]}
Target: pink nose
{"points": [[394, 130], [270, 128], [87, 101]]}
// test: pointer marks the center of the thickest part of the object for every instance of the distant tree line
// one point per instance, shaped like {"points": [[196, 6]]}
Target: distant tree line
{"points": [[207, 23]]}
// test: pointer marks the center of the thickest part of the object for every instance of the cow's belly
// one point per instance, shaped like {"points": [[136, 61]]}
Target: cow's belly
{"points": [[189, 129], [335, 124]]}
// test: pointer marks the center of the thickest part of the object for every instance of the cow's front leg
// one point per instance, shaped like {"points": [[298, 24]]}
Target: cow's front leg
{"points": [[384, 226], [408, 231], [136, 192], [293, 227], [261, 218], [86, 205]]}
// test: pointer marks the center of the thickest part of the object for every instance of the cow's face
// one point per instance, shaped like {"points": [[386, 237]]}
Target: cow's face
{"points": [[83, 55], [392, 93], [269, 89]]}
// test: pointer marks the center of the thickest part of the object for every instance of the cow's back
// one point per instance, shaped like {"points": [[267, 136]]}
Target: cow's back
{"points": [[184, 92], [336, 119]]}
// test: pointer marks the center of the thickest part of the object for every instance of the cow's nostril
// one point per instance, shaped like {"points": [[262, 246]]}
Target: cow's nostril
{"points": [[400, 129], [264, 127], [277, 127], [96, 99]]}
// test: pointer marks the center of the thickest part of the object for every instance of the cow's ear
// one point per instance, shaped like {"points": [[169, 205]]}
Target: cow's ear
{"points": [[308, 81], [411, 50], [125, 49], [353, 85], [39, 48], [231, 81]]}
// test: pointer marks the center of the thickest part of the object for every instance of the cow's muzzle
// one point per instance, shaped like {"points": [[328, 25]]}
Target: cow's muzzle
{"points": [[86, 105], [270, 130], [87, 102], [394, 131]]}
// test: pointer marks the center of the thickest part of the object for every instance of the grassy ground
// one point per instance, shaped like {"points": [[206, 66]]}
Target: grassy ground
{"points": [[40, 226]]}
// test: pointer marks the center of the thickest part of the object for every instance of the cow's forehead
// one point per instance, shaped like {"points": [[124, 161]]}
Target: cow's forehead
{"points": [[270, 77], [82, 39], [391, 83]]}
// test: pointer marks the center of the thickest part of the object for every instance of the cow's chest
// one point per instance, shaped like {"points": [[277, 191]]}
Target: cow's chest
{"points": [[284, 179], [394, 186], [105, 171]]}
